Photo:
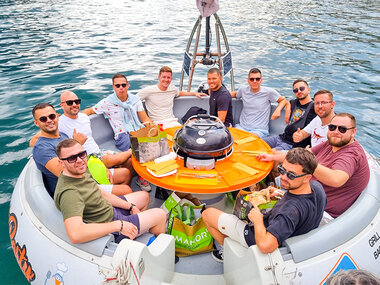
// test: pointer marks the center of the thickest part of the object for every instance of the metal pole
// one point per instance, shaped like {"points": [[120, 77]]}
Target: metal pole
{"points": [[193, 63]]}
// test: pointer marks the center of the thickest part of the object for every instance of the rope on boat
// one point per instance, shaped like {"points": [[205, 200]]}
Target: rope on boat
{"points": [[122, 273]]}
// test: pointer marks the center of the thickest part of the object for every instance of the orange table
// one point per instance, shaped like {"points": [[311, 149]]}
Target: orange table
{"points": [[229, 177]]}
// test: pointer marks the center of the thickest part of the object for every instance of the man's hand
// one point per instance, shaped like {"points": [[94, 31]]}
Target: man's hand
{"points": [[135, 210], [109, 176], [129, 230], [265, 157], [298, 135], [275, 115], [200, 95], [79, 137], [255, 215]]}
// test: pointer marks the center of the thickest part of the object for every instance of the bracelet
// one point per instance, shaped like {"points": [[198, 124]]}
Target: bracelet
{"points": [[121, 227]]}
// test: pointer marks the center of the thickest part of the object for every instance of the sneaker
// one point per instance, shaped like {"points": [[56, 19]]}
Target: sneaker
{"points": [[218, 255], [143, 184]]}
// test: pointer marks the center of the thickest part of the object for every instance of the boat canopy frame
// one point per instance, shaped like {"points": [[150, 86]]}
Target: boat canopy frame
{"points": [[224, 59]]}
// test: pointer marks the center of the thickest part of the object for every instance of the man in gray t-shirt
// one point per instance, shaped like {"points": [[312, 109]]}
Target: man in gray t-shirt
{"points": [[257, 100]]}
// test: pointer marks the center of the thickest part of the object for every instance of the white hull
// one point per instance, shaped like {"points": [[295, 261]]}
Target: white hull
{"points": [[44, 252]]}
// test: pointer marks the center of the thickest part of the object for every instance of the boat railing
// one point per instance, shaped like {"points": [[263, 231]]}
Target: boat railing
{"points": [[44, 210], [344, 228]]}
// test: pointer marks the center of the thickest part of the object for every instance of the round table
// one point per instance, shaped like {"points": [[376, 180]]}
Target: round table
{"points": [[229, 178]]}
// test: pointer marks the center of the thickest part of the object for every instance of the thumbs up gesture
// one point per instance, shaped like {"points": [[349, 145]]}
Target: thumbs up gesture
{"points": [[79, 137], [298, 135]]}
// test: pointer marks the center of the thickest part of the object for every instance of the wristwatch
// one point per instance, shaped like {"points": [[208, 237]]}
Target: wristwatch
{"points": [[130, 208]]}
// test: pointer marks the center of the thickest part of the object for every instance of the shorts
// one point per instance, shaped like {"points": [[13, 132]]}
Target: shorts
{"points": [[233, 227], [260, 132], [106, 187], [277, 143], [123, 141], [125, 215]]}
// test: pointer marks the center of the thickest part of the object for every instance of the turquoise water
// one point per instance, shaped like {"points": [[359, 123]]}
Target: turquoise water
{"points": [[50, 46]]}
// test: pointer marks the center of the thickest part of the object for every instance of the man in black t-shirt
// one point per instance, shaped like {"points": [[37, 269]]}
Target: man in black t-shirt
{"points": [[298, 212], [299, 113], [220, 98]]}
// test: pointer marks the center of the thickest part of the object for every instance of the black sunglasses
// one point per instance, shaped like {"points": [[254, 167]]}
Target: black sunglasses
{"points": [[71, 102], [44, 119], [341, 129], [123, 85], [290, 175], [302, 88], [253, 79], [73, 158]]}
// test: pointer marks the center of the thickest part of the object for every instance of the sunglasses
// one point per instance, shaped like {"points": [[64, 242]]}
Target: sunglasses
{"points": [[44, 119], [290, 175], [122, 85], [73, 158], [302, 88], [341, 129], [71, 102], [253, 79]]}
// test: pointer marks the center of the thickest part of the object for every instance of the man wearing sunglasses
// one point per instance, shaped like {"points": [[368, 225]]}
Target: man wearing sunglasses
{"points": [[90, 212], [159, 99], [125, 113], [257, 99], [342, 165], [317, 128], [77, 125], [298, 212], [299, 113], [46, 118]]}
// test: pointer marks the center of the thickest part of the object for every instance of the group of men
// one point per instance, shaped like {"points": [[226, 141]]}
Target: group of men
{"points": [[330, 176], [335, 167]]}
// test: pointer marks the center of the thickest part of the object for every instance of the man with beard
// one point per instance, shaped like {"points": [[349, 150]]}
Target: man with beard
{"points": [[317, 128], [44, 155], [298, 212], [299, 113], [342, 164], [90, 212], [220, 98]]}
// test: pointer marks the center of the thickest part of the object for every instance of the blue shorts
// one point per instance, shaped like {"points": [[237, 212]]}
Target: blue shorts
{"points": [[260, 132], [123, 142], [125, 215], [277, 143]]}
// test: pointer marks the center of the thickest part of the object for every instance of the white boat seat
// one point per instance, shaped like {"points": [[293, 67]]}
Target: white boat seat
{"points": [[343, 228], [102, 132], [45, 210]]}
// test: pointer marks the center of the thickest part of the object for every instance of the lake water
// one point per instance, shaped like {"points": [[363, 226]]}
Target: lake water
{"points": [[50, 46]]}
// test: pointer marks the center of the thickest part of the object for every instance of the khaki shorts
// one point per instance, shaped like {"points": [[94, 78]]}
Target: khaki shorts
{"points": [[233, 227]]}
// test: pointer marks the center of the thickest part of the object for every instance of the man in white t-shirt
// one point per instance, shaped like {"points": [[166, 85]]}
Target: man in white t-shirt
{"points": [[318, 127], [159, 99], [257, 99]]}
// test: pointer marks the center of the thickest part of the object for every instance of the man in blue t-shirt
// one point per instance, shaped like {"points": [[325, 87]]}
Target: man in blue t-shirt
{"points": [[220, 97], [298, 212], [46, 118]]}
